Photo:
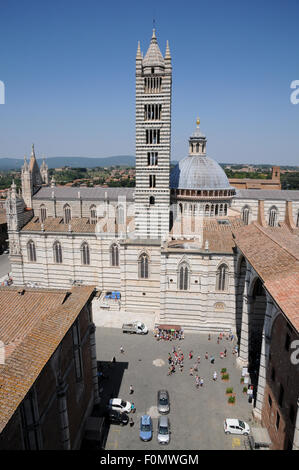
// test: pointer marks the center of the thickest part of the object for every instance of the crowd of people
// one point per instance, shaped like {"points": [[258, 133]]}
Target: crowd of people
{"points": [[177, 360], [168, 335]]}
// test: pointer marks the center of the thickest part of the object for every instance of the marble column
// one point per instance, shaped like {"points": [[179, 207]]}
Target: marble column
{"points": [[264, 357], [242, 360]]}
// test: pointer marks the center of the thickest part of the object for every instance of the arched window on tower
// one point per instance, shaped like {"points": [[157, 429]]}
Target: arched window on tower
{"points": [[222, 277], [31, 251], [183, 283], [114, 255], [245, 215], [67, 214], [85, 255], [143, 266], [93, 214], [43, 213], [57, 252], [273, 214]]}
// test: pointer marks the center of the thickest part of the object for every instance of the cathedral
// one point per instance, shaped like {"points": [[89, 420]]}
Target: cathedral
{"points": [[184, 244], [167, 245]]}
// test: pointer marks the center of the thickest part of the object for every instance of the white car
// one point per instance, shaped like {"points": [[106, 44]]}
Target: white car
{"points": [[236, 426], [120, 405]]}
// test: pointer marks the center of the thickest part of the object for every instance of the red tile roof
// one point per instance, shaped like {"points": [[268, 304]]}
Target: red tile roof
{"points": [[274, 254], [33, 322]]}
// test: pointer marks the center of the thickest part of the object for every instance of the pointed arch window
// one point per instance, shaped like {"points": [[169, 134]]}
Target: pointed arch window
{"points": [[93, 214], [273, 213], [67, 214], [184, 275], [57, 252], [85, 255], [120, 216], [222, 278], [114, 255], [31, 251], [143, 266], [245, 215], [43, 213]]}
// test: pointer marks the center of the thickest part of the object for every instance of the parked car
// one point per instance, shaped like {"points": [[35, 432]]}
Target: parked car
{"points": [[116, 417], [163, 432], [146, 428], [236, 426], [163, 402], [135, 327], [117, 404]]}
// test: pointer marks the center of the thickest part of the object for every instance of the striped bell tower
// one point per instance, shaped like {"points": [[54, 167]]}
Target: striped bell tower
{"points": [[153, 139]]}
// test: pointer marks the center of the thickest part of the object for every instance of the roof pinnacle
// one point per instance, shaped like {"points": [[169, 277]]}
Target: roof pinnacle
{"points": [[167, 53], [138, 55]]}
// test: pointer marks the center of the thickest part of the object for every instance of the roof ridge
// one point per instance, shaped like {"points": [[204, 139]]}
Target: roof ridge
{"points": [[279, 243]]}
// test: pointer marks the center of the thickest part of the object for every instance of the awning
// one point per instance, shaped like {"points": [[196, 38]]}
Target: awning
{"points": [[170, 327]]}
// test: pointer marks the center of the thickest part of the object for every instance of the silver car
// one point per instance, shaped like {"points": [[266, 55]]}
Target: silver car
{"points": [[163, 402], [163, 433]]}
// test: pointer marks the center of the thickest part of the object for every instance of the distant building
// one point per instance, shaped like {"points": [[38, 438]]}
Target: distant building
{"points": [[48, 382], [247, 183]]}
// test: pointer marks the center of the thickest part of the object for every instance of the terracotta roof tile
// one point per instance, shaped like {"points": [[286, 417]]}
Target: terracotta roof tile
{"points": [[36, 322]]}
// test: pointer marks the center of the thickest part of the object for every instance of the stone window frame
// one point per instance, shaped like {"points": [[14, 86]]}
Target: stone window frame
{"points": [[246, 218], [143, 265], [42, 212], [31, 251], [114, 255], [93, 214], [67, 213], [183, 281], [222, 282], [85, 253], [273, 215], [57, 252]]}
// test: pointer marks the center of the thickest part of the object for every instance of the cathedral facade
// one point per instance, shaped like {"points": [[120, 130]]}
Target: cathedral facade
{"points": [[166, 245]]}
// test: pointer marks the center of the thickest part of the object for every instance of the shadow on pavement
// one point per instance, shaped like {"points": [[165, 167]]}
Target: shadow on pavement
{"points": [[110, 379]]}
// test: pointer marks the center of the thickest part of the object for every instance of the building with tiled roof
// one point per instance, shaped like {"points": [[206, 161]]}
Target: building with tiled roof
{"points": [[48, 363], [172, 245]]}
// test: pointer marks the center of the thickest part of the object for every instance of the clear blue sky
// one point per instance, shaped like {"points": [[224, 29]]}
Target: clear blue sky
{"points": [[69, 71]]}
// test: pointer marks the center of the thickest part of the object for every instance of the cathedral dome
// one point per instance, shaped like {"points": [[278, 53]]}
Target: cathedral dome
{"points": [[198, 172]]}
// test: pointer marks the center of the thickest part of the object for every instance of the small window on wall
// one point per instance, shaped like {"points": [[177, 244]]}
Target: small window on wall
{"points": [[152, 200], [143, 266], [31, 251], [183, 277]]}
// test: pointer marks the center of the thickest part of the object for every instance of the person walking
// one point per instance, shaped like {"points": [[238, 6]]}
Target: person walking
{"points": [[206, 356], [198, 359], [133, 409], [131, 422], [122, 350], [215, 376], [201, 382], [131, 390]]}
